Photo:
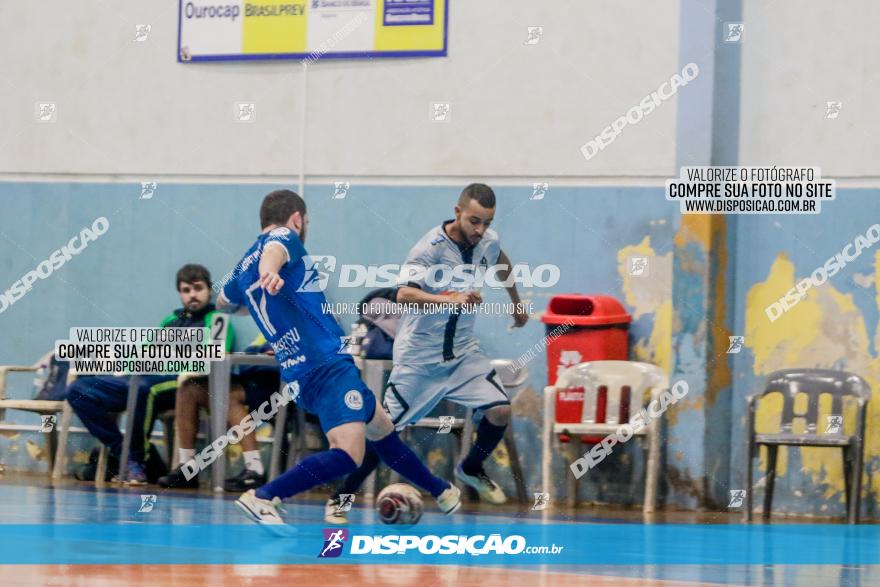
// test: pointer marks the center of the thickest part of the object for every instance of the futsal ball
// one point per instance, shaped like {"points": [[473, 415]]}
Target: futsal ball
{"points": [[399, 504]]}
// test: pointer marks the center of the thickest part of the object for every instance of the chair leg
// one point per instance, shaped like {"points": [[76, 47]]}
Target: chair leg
{"points": [[457, 444], [847, 480], [515, 466], [292, 449], [856, 483], [101, 470], [170, 427], [652, 473], [63, 433], [547, 444], [467, 440], [279, 429], [467, 433], [52, 447], [298, 439], [301, 430], [772, 452], [574, 451], [750, 479], [173, 459]]}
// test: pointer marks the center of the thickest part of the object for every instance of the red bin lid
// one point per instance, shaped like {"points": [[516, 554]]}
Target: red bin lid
{"points": [[585, 310]]}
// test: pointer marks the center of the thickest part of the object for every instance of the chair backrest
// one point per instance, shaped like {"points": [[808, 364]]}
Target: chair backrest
{"points": [[619, 379], [814, 383], [40, 378], [509, 372]]}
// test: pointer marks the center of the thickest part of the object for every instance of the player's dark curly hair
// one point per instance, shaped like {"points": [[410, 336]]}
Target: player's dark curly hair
{"points": [[480, 192], [191, 273], [278, 206]]}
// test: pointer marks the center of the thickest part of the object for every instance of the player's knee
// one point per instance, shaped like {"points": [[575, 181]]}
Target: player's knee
{"points": [[354, 452], [237, 395], [349, 438], [193, 392], [499, 415], [380, 426], [76, 394], [186, 388], [185, 394]]}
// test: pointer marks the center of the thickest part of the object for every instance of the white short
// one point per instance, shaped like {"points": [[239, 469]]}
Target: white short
{"points": [[415, 390]]}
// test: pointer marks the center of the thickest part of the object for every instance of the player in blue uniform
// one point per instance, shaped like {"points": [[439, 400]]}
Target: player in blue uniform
{"points": [[272, 283]]}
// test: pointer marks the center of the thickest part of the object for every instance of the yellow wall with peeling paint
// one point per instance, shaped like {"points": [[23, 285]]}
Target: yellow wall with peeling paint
{"points": [[824, 329], [649, 295]]}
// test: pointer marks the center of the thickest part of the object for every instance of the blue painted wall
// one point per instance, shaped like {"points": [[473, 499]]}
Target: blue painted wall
{"points": [[126, 277]]}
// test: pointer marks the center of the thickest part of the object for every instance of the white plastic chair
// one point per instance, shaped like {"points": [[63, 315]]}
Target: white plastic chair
{"points": [[57, 439], [614, 375]]}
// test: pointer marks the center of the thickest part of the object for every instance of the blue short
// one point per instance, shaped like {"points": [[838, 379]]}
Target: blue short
{"points": [[336, 394]]}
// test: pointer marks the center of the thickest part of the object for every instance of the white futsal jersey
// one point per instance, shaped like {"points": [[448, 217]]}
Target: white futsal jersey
{"points": [[436, 265]]}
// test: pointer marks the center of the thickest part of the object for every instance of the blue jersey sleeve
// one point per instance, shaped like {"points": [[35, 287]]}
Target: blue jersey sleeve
{"points": [[291, 243], [232, 293]]}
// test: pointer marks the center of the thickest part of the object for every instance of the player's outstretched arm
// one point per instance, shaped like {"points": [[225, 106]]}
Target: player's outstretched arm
{"points": [[520, 316], [271, 261]]}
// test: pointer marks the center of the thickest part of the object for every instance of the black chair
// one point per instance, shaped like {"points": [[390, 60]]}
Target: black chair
{"points": [[814, 383]]}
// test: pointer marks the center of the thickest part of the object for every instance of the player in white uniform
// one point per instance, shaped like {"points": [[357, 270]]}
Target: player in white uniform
{"points": [[436, 354]]}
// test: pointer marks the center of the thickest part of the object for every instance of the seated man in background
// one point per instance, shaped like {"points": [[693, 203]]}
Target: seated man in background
{"points": [[96, 399], [253, 386]]}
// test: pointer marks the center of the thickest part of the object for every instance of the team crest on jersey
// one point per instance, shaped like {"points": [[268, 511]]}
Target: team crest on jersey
{"points": [[354, 400], [293, 390]]}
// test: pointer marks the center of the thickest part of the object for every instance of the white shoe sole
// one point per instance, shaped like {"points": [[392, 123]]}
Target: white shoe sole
{"points": [[457, 505], [455, 509], [276, 529], [128, 482]]}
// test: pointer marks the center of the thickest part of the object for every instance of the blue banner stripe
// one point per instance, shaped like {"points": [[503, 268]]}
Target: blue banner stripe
{"points": [[568, 544]]}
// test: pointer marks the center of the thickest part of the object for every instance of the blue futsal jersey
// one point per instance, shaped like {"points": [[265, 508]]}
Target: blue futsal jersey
{"points": [[293, 321]]}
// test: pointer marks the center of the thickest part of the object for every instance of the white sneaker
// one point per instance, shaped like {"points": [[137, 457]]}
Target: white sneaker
{"points": [[488, 489], [262, 511], [332, 513], [450, 500]]}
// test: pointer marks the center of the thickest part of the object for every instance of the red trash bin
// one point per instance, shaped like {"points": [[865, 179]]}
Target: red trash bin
{"points": [[582, 328]]}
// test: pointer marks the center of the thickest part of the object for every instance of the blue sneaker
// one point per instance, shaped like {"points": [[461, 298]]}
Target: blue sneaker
{"points": [[136, 474]]}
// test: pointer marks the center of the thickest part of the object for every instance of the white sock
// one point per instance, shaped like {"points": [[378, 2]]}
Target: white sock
{"points": [[185, 454], [253, 462]]}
